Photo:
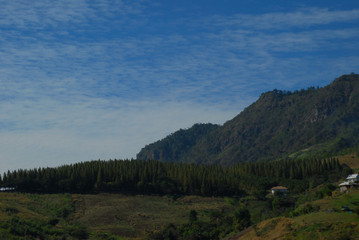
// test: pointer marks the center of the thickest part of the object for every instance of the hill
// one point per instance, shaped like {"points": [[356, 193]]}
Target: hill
{"points": [[177, 145], [280, 124], [100, 216], [119, 216], [325, 221], [310, 210]]}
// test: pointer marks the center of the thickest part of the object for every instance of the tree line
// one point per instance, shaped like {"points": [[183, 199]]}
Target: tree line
{"points": [[155, 177]]}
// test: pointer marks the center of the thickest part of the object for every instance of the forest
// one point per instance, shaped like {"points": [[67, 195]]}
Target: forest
{"points": [[154, 177]]}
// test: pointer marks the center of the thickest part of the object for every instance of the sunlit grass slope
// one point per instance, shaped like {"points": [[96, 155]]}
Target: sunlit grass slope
{"points": [[328, 222], [100, 216], [352, 160], [35, 216], [134, 216]]}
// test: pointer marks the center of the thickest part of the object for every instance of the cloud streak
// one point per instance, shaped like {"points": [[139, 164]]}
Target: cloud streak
{"points": [[84, 80], [306, 17]]}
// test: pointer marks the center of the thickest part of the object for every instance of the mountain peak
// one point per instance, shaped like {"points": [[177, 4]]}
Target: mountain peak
{"points": [[279, 124]]}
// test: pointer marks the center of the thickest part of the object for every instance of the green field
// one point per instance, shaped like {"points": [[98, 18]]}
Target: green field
{"points": [[100, 216], [118, 216], [134, 216], [37, 216]]}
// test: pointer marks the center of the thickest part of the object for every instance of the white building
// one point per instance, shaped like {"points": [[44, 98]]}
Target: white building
{"points": [[352, 182], [353, 178], [344, 186]]}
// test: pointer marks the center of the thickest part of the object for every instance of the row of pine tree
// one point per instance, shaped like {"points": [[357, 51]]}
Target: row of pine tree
{"points": [[154, 177]]}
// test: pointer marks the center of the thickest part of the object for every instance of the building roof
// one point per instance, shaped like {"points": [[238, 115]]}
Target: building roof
{"points": [[347, 183], [279, 188], [353, 176]]}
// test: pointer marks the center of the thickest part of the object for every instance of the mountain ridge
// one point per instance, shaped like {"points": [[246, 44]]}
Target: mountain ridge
{"points": [[277, 125]]}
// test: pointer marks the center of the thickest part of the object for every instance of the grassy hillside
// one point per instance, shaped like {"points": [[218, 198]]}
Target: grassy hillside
{"points": [[111, 215], [101, 216], [327, 221], [33, 216], [118, 216], [351, 160], [135, 216], [313, 212]]}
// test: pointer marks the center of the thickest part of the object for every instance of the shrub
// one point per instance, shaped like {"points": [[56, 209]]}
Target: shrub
{"points": [[242, 218], [357, 210], [304, 209], [192, 216], [11, 210], [79, 232]]}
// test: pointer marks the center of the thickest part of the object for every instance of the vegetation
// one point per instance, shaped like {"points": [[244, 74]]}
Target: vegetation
{"points": [[77, 216], [153, 177], [280, 124], [175, 145], [29, 216], [98, 216], [317, 219], [118, 216], [246, 186], [217, 227]]}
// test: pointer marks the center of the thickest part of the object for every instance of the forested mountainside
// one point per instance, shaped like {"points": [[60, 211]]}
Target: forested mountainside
{"points": [[177, 145], [279, 124]]}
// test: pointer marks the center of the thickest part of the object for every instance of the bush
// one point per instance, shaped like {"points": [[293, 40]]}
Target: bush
{"points": [[79, 232], [192, 216], [326, 190], [305, 209], [105, 236], [242, 218], [11, 210], [53, 221], [357, 210]]}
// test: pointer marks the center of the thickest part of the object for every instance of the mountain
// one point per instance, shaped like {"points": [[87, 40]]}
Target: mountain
{"points": [[279, 124], [177, 145]]}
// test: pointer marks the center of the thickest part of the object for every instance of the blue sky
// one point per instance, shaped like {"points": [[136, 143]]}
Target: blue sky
{"points": [[83, 80]]}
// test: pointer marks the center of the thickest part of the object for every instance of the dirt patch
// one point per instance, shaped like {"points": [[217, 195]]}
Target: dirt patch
{"points": [[273, 229], [352, 160]]}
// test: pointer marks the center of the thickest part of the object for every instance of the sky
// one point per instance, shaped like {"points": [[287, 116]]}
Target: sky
{"points": [[86, 80]]}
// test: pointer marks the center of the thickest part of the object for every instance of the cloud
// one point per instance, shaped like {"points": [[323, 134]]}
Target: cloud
{"points": [[195, 66], [39, 14], [46, 13], [282, 20], [83, 80]]}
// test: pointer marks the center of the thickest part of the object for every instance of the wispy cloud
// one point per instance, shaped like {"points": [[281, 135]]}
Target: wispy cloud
{"points": [[46, 13], [83, 80], [305, 17], [191, 68]]}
